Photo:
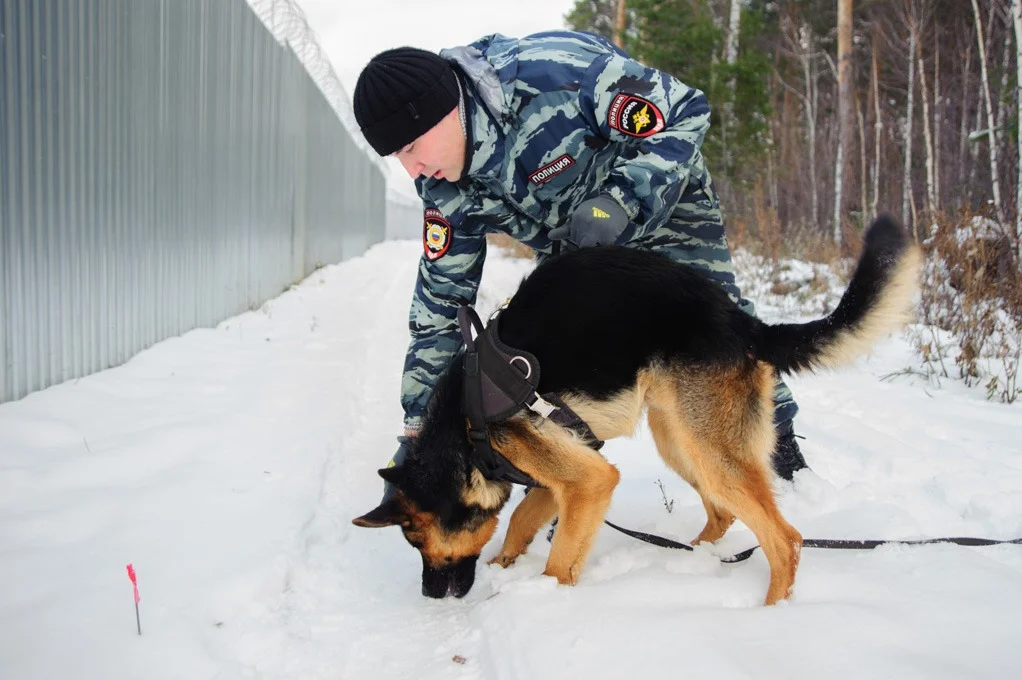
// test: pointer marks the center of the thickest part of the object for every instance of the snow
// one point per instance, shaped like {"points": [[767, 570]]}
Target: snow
{"points": [[227, 464]]}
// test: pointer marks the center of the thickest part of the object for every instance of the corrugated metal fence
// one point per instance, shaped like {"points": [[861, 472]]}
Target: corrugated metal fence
{"points": [[164, 164]]}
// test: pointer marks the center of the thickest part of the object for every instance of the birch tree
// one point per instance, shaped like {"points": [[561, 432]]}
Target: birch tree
{"points": [[803, 48], [1016, 15], [878, 130], [730, 58], [619, 24], [924, 99], [906, 192], [937, 117], [991, 128], [844, 78]]}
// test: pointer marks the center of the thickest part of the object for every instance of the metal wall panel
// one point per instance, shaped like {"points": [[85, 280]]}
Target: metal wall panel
{"points": [[164, 164]]}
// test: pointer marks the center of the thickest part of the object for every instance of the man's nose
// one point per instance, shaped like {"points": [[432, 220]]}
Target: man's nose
{"points": [[412, 167]]}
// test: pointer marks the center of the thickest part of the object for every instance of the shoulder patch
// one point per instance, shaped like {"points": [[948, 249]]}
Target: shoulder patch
{"points": [[550, 169], [635, 116], [436, 235]]}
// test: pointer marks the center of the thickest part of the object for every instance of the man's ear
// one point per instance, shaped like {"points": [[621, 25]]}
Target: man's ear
{"points": [[386, 514], [393, 474]]}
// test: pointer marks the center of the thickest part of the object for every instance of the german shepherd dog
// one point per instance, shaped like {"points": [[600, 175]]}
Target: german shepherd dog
{"points": [[618, 331]]}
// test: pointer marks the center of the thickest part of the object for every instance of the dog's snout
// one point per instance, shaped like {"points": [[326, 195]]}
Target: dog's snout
{"points": [[451, 579]]}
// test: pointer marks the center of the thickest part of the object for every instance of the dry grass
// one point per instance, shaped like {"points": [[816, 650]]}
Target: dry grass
{"points": [[971, 305], [512, 246]]}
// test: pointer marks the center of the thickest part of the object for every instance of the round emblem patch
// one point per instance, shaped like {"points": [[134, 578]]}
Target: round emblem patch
{"points": [[436, 235], [635, 116]]}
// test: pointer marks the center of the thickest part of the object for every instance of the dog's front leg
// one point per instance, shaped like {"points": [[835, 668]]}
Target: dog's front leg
{"points": [[582, 504], [535, 510]]}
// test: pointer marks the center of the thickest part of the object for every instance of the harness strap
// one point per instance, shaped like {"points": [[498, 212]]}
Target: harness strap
{"points": [[499, 382], [491, 464]]}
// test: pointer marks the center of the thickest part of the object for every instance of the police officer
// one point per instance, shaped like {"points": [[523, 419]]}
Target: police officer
{"points": [[555, 137]]}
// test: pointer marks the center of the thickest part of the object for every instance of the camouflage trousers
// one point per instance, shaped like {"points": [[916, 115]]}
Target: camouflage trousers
{"points": [[694, 235]]}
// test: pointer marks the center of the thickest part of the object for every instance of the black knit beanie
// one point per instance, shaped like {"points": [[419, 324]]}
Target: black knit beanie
{"points": [[402, 93]]}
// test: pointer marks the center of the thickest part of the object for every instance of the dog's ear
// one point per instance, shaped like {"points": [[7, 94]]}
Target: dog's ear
{"points": [[393, 474], [386, 514]]}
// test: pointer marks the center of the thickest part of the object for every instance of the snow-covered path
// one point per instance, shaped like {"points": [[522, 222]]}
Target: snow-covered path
{"points": [[227, 464]]}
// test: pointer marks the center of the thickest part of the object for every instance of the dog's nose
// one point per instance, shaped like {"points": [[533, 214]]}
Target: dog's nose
{"points": [[435, 593]]}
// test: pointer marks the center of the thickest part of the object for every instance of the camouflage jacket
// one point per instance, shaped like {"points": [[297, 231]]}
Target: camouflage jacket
{"points": [[552, 120]]}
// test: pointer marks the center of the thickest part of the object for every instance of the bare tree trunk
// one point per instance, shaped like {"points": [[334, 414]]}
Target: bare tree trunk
{"points": [[992, 133], [963, 132], [862, 156], [927, 137], [619, 28], [839, 169], [730, 57], [878, 131], [977, 125], [938, 114], [974, 149], [802, 43], [844, 77], [906, 191], [1016, 15], [809, 70], [1002, 98], [776, 155]]}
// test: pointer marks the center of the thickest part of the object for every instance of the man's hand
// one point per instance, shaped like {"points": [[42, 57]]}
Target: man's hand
{"points": [[597, 222], [398, 459]]}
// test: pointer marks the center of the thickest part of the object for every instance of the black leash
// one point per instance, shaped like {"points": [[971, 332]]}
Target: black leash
{"points": [[827, 543]]}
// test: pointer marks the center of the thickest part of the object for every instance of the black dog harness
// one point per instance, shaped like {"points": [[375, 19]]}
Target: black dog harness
{"points": [[499, 382]]}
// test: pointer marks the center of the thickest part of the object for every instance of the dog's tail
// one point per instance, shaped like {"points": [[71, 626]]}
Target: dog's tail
{"points": [[878, 301]]}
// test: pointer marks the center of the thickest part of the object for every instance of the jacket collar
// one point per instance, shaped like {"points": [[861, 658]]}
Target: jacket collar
{"points": [[485, 112]]}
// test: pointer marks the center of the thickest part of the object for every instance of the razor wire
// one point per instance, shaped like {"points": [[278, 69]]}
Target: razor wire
{"points": [[287, 23]]}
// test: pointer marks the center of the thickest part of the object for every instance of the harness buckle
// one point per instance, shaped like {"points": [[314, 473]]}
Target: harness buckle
{"points": [[541, 406]]}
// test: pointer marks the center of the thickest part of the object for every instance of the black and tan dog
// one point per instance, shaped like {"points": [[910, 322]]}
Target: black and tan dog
{"points": [[618, 331]]}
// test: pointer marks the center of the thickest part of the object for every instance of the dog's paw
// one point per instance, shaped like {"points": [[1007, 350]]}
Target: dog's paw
{"points": [[566, 577], [504, 560]]}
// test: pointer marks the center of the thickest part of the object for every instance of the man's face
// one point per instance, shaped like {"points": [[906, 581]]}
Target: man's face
{"points": [[439, 152]]}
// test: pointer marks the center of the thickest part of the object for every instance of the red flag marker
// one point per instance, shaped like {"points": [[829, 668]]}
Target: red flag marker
{"points": [[134, 585]]}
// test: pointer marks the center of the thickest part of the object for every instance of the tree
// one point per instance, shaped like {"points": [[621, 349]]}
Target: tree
{"points": [[1016, 15], [594, 16], [845, 96], [620, 23], [991, 132]]}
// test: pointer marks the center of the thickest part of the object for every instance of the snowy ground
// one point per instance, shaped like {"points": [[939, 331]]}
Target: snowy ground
{"points": [[227, 465]]}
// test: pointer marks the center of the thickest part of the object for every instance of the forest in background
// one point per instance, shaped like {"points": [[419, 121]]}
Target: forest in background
{"points": [[828, 112]]}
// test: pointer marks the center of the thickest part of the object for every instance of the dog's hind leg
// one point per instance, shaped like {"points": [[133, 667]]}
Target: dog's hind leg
{"points": [[718, 519], [745, 490], [719, 422], [535, 510]]}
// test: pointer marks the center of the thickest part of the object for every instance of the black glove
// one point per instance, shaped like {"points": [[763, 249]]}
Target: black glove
{"points": [[597, 222], [398, 459]]}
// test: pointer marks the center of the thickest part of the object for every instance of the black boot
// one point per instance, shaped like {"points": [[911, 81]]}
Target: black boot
{"points": [[787, 456]]}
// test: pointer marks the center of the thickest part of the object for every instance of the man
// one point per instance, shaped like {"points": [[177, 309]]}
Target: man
{"points": [[555, 137]]}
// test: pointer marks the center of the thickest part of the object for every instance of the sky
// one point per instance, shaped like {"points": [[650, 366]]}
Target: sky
{"points": [[226, 466], [351, 33]]}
